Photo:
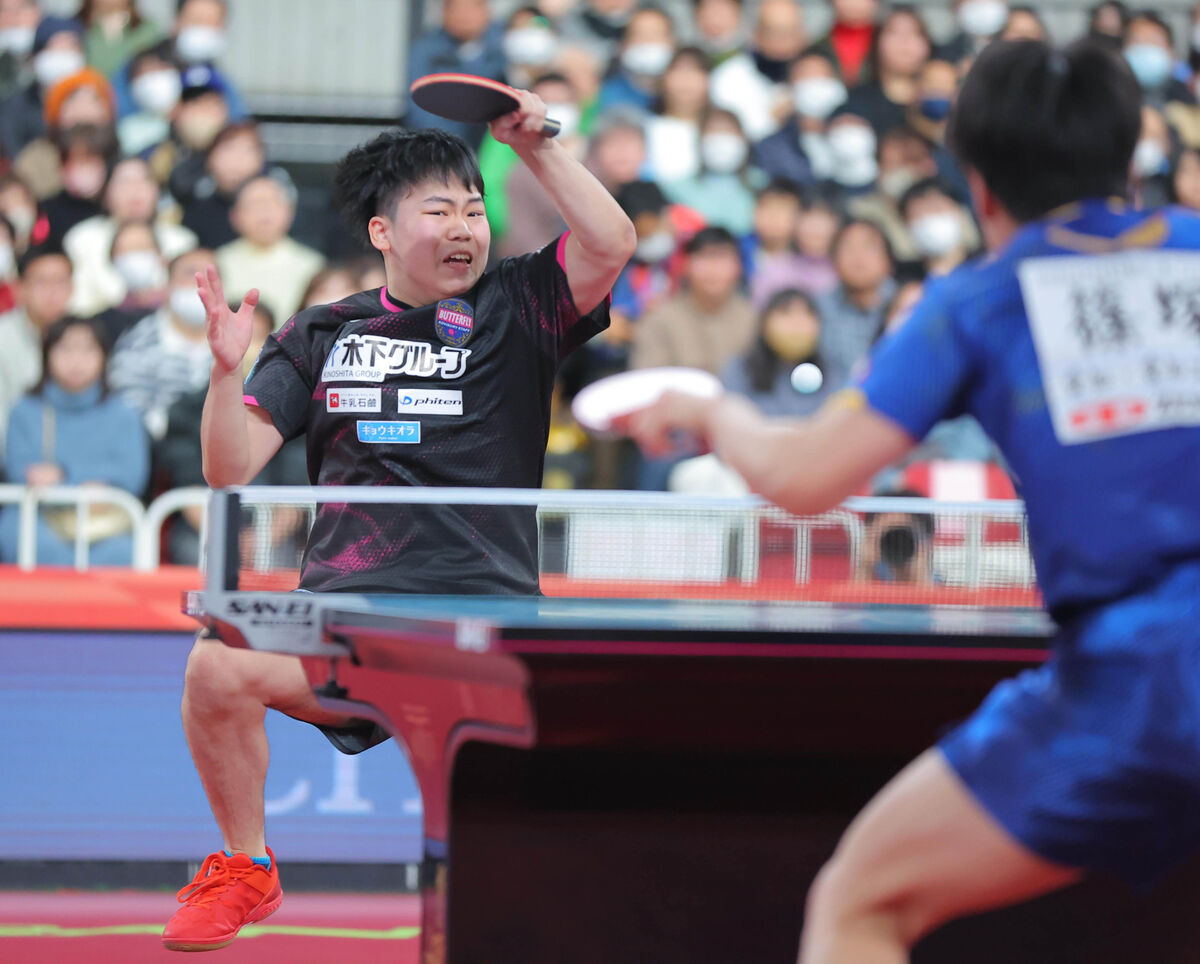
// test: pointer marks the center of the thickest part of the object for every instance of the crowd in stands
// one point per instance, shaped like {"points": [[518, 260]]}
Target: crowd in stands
{"points": [[791, 192]]}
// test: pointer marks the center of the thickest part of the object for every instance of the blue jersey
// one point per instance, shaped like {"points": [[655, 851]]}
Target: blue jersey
{"points": [[1077, 348]]}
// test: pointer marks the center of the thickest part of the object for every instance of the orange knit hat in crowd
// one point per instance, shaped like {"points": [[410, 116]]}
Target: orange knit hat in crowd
{"points": [[88, 77]]}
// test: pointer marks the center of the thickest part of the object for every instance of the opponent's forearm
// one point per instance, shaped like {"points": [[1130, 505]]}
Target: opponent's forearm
{"points": [[224, 439], [596, 221]]}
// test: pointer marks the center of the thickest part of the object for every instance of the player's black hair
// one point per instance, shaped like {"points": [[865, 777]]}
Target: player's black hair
{"points": [[36, 253], [1045, 127], [372, 179], [711, 237]]}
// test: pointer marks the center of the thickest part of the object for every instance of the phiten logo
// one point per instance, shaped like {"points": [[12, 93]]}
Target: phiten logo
{"points": [[453, 322]]}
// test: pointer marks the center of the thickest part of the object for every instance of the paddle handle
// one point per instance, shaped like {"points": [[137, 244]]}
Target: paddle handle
{"points": [[550, 127]]}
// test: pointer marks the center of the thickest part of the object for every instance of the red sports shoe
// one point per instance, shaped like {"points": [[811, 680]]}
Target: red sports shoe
{"points": [[227, 894]]}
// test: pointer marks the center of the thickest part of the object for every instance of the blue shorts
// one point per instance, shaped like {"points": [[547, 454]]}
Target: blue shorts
{"points": [[1093, 759]]}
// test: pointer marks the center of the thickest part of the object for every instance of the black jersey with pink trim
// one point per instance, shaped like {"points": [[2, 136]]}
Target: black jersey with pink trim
{"points": [[453, 393]]}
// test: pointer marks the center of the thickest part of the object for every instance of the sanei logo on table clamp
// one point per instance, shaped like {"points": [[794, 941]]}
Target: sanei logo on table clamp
{"points": [[371, 358], [428, 401]]}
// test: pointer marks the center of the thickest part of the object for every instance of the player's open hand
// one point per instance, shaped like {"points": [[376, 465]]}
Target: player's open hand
{"points": [[522, 128], [677, 422], [228, 332]]}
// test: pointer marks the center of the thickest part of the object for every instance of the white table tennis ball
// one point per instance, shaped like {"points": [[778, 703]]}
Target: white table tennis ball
{"points": [[807, 378]]}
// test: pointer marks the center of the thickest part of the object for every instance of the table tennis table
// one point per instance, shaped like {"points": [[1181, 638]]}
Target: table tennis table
{"points": [[638, 780]]}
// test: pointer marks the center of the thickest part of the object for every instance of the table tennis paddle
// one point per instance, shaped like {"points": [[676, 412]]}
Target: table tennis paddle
{"points": [[605, 402], [473, 100]]}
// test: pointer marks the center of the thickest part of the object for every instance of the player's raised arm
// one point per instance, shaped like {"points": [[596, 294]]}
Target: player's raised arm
{"points": [[236, 441], [602, 237]]}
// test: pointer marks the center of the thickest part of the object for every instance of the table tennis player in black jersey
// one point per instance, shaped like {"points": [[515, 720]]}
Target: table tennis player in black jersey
{"points": [[443, 377]]}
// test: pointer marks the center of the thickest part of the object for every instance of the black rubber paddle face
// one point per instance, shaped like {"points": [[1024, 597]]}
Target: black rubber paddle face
{"points": [[472, 100]]}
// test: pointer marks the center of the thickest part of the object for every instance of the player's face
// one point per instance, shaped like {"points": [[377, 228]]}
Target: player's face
{"points": [[439, 239]]}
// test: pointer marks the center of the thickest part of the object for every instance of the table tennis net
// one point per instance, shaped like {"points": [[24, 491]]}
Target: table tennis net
{"points": [[654, 545]]}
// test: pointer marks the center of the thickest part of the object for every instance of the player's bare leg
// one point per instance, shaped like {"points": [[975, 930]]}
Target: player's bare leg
{"points": [[225, 698], [920, 854]]}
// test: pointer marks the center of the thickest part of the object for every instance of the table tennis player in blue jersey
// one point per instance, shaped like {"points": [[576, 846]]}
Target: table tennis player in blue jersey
{"points": [[1076, 344], [442, 377]]}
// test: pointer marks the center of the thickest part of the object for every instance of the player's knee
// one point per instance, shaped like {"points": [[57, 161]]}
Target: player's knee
{"points": [[214, 676]]}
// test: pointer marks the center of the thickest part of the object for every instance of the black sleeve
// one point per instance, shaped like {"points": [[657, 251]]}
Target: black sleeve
{"points": [[539, 291], [281, 381], [178, 456]]}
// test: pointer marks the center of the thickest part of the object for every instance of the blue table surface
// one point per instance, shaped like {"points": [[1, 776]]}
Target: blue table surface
{"points": [[632, 615]]}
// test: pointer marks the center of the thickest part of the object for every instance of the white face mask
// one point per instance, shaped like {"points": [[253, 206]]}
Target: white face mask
{"points": [[820, 155], [157, 92], [22, 220], [818, 97], [530, 46], [937, 234], [723, 153], [18, 41], [852, 142], [658, 247], [649, 60], [186, 305], [7, 261], [896, 182], [200, 45], [141, 270], [51, 66], [983, 18], [567, 116], [1148, 158]]}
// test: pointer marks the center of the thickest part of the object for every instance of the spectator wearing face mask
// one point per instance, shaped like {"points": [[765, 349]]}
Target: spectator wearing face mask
{"points": [[899, 50], [530, 47], [115, 30], [138, 261], [131, 194], [939, 225], [1150, 52], [788, 335], [799, 151], [531, 219], [165, 355], [937, 89], [200, 38], [18, 27], [852, 313], [597, 26], [43, 290], [155, 87], [905, 158], [70, 430], [853, 147], [467, 42], [722, 191], [82, 99], [807, 265], [978, 22], [1107, 21], [653, 272], [84, 153], [202, 113], [850, 38], [264, 256], [754, 83], [237, 154], [673, 128], [1151, 160], [57, 54], [646, 50]]}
